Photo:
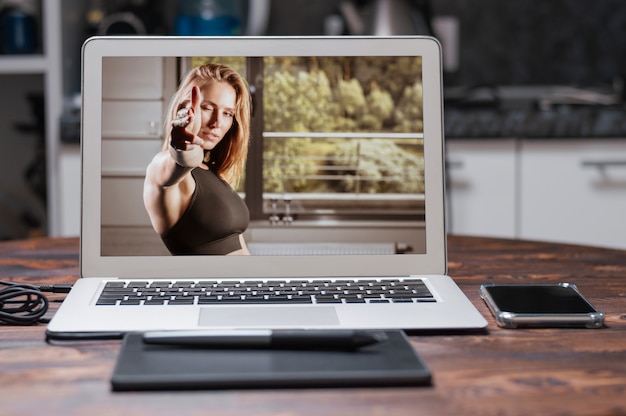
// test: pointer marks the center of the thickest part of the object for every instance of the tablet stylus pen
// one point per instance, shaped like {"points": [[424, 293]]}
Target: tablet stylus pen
{"points": [[267, 339]]}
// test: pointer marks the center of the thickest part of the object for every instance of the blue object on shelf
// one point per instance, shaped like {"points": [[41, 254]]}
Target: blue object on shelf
{"points": [[208, 18], [18, 32]]}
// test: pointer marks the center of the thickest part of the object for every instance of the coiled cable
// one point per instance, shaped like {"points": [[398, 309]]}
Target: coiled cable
{"points": [[21, 304]]}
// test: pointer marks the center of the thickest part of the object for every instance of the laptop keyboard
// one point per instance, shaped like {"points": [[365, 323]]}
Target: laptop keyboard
{"points": [[214, 292]]}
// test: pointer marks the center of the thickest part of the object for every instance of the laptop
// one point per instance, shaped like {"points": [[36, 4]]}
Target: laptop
{"points": [[344, 183]]}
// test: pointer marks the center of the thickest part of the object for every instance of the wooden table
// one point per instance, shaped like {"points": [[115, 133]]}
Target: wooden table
{"points": [[523, 371]]}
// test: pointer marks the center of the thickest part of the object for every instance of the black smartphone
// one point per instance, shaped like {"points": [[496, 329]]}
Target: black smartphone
{"points": [[540, 305]]}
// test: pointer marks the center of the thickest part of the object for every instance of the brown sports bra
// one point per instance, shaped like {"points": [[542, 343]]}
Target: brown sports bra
{"points": [[213, 221]]}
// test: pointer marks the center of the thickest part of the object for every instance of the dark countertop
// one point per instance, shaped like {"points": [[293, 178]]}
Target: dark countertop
{"points": [[556, 122], [540, 112]]}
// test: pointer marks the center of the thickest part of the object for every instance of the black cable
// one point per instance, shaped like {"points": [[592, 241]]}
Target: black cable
{"points": [[55, 288], [24, 304]]}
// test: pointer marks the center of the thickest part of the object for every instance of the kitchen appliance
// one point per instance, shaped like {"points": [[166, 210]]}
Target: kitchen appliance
{"points": [[386, 17]]}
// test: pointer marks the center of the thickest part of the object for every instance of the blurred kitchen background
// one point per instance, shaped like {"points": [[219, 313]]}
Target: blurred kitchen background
{"points": [[534, 101]]}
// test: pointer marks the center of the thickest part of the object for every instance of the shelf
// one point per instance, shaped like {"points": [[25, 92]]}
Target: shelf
{"points": [[47, 64], [23, 64]]}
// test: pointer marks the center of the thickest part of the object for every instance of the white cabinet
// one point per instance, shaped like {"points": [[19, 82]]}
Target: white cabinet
{"points": [[574, 191], [481, 187], [566, 190]]}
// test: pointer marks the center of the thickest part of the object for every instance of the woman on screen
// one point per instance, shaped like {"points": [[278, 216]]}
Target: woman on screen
{"points": [[189, 187]]}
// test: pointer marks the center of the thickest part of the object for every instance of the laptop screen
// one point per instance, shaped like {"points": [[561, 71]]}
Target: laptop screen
{"points": [[333, 165]]}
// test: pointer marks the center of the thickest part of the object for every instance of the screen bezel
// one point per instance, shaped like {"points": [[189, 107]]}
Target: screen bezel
{"points": [[93, 264]]}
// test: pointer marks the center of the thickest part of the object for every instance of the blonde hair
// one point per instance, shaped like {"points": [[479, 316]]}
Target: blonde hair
{"points": [[228, 158]]}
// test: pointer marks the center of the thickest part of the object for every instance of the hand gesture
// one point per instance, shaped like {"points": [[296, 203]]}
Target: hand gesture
{"points": [[183, 135]]}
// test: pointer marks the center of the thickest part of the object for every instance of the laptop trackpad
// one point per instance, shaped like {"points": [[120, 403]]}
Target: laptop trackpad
{"points": [[264, 316]]}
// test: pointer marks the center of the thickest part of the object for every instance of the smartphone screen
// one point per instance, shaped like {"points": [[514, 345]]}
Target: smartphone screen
{"points": [[552, 299], [540, 305]]}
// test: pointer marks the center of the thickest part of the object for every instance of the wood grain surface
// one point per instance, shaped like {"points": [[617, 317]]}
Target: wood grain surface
{"points": [[500, 372]]}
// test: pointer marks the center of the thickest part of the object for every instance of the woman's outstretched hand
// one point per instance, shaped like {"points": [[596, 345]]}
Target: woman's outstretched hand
{"points": [[183, 134], [185, 146]]}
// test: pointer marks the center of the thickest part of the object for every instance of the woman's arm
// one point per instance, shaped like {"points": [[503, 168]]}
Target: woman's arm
{"points": [[169, 167], [168, 186], [167, 191], [184, 151]]}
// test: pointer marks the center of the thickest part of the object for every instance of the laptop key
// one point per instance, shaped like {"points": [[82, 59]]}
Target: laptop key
{"points": [[114, 285], [154, 301], [278, 297], [106, 302], [301, 298], [354, 300], [141, 284], [117, 290], [233, 298], [181, 301], [107, 295], [423, 295], [253, 298], [160, 284], [130, 302], [326, 299]]}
